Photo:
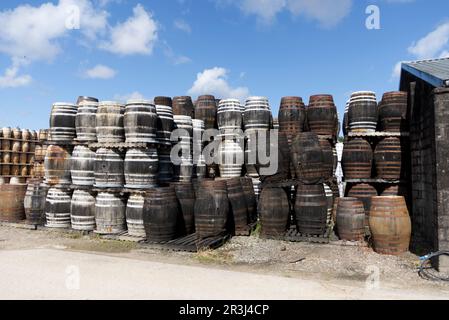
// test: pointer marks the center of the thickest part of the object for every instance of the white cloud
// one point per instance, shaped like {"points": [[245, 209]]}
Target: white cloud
{"points": [[129, 96], [182, 25], [326, 12], [396, 71], [172, 56], [100, 72], [214, 81], [432, 44], [136, 35], [11, 79]]}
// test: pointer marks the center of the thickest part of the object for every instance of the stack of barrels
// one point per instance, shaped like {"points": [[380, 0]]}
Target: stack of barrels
{"points": [[307, 156], [375, 166]]}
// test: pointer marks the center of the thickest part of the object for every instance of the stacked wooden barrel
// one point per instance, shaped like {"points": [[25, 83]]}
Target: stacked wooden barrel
{"points": [[362, 112]]}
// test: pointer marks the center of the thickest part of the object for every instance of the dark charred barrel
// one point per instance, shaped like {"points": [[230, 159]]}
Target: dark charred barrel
{"points": [[160, 214], [165, 168], [292, 116], [57, 166], [206, 110], [388, 159], [34, 202], [350, 219], [82, 210], [86, 121], [134, 215], [364, 192], [396, 190], [165, 123], [274, 211], [140, 121], [257, 114], [82, 166], [185, 194], [211, 208], [390, 225], [311, 209], [328, 158], [229, 116], [183, 106], [110, 209], [11, 202], [163, 101], [62, 122], [57, 208], [362, 113], [357, 159], [231, 158], [393, 112], [307, 158], [250, 197], [237, 202], [345, 124], [110, 122], [322, 115], [109, 169], [141, 168], [277, 168]]}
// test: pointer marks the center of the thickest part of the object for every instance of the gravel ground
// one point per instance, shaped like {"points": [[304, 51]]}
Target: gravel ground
{"points": [[331, 262]]}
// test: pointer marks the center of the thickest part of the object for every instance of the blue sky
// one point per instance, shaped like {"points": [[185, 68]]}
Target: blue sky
{"points": [[230, 48]]}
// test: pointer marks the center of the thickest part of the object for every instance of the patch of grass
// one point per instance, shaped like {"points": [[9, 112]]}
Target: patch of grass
{"points": [[214, 256], [101, 245], [74, 235], [256, 231]]}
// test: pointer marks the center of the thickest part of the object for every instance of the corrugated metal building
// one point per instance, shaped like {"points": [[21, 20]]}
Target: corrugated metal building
{"points": [[427, 83]]}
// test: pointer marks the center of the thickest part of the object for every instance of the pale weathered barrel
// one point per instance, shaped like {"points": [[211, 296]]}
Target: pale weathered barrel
{"points": [[364, 192], [357, 160], [229, 116], [257, 114], [311, 209], [322, 115], [250, 197], [82, 210], [390, 225], [350, 219], [160, 214], [57, 166], [140, 121], [110, 211], [62, 122], [292, 116], [86, 121], [82, 166], [165, 123], [110, 122], [206, 110], [11, 202], [307, 158], [165, 167], [388, 159], [362, 113], [183, 165], [237, 203], [231, 158], [199, 162], [273, 211], [185, 194], [34, 202], [330, 204], [211, 208], [109, 169], [141, 168], [393, 112], [134, 215], [57, 208], [183, 106]]}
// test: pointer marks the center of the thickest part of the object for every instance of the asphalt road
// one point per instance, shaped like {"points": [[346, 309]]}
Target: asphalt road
{"points": [[60, 274]]}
